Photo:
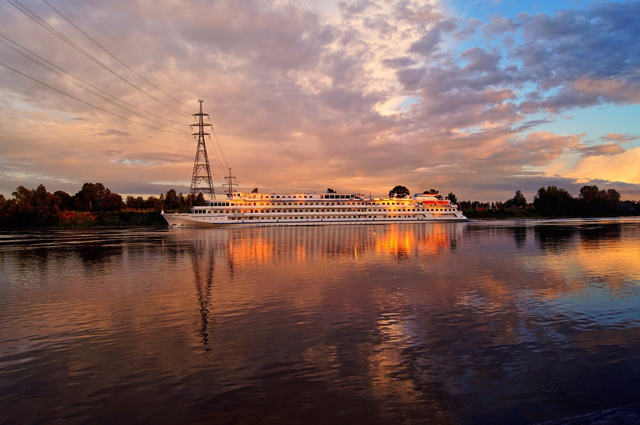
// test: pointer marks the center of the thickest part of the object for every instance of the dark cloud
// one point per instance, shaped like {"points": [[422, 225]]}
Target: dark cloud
{"points": [[499, 26], [415, 13], [411, 78], [396, 63], [468, 29], [357, 7], [381, 25], [594, 45], [429, 42], [602, 149]]}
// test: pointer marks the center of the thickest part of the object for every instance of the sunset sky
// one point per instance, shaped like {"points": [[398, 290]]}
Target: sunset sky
{"points": [[480, 98]]}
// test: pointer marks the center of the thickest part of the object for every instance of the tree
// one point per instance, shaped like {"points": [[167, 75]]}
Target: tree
{"points": [[518, 200], [135, 203], [66, 200], [399, 192], [30, 207], [96, 197], [200, 201], [614, 198], [452, 198], [329, 190], [589, 194], [255, 190], [153, 203], [553, 202], [171, 200], [88, 198]]}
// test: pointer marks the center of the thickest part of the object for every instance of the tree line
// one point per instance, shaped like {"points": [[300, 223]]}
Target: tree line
{"points": [[39, 207], [557, 202]]}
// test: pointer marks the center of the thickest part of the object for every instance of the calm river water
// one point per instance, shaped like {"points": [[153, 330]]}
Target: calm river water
{"points": [[465, 323]]}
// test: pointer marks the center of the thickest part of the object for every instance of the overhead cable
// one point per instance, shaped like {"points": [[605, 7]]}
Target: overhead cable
{"points": [[111, 54], [87, 103], [52, 68], [28, 12], [114, 39]]}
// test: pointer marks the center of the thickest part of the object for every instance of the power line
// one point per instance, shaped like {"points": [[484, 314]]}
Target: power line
{"points": [[219, 147], [217, 159], [111, 54], [51, 67], [86, 103], [29, 13], [18, 48], [149, 60]]}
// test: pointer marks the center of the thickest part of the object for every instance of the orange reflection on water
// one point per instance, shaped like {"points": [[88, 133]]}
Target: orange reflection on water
{"points": [[282, 244], [401, 241]]}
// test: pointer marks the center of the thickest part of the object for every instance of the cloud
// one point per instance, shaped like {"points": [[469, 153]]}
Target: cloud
{"points": [[602, 149], [354, 94], [396, 63], [429, 43], [622, 138], [499, 26], [112, 132]]}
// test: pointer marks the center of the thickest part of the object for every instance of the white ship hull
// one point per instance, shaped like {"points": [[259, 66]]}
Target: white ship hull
{"points": [[186, 219], [262, 210]]}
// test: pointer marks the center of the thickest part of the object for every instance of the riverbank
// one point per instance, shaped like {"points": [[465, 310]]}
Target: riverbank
{"points": [[81, 220]]}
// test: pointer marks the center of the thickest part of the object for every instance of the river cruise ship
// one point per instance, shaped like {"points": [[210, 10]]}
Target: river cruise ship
{"points": [[304, 209]]}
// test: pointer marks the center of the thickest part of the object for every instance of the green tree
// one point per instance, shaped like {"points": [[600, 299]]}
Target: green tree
{"points": [[329, 190], [452, 197], [399, 192]]}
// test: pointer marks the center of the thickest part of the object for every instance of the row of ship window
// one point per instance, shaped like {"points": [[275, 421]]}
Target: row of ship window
{"points": [[228, 204], [285, 211], [316, 218], [301, 196]]}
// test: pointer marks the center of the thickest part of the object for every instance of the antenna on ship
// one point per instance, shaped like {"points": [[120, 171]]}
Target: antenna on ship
{"points": [[201, 181], [230, 183]]}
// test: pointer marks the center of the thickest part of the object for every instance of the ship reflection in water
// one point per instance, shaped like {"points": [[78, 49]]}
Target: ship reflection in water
{"points": [[439, 323]]}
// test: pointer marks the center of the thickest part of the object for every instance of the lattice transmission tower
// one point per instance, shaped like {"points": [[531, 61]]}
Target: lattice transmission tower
{"points": [[201, 181]]}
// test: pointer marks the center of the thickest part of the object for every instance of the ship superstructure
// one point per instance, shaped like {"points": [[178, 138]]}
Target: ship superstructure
{"points": [[270, 209]]}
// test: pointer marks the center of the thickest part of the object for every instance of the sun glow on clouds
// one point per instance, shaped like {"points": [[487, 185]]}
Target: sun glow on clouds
{"points": [[356, 95]]}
